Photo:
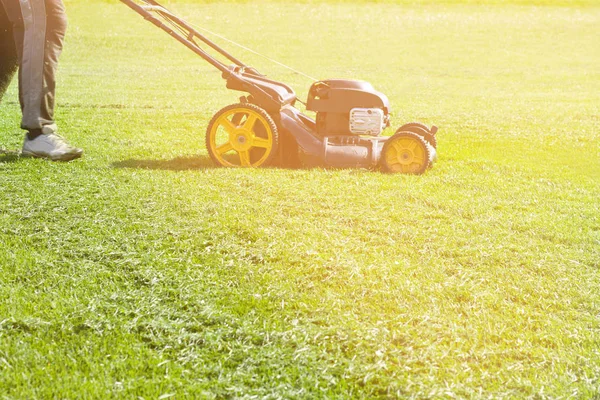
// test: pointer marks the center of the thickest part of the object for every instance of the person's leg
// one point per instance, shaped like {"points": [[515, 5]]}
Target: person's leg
{"points": [[8, 51], [31, 67], [56, 27], [38, 47]]}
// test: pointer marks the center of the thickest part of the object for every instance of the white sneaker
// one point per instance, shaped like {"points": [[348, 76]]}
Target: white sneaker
{"points": [[50, 145]]}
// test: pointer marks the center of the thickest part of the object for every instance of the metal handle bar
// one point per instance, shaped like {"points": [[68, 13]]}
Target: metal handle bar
{"points": [[149, 8]]}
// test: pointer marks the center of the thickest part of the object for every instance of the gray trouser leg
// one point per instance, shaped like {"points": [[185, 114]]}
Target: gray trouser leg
{"points": [[39, 28], [56, 27], [8, 52]]}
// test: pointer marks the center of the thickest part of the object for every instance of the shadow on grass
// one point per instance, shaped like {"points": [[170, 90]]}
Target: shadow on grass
{"points": [[176, 164], [205, 162], [8, 156]]}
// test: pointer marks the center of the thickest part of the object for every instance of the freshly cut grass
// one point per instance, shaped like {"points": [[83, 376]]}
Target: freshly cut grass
{"points": [[142, 271]]}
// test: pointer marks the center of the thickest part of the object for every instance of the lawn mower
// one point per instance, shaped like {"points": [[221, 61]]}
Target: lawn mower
{"points": [[265, 127]]}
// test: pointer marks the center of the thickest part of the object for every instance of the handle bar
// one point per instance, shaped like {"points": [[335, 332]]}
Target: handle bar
{"points": [[182, 31]]}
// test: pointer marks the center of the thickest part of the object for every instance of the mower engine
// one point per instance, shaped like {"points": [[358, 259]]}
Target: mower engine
{"points": [[347, 107]]}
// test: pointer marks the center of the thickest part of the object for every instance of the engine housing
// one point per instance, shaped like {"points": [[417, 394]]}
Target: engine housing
{"points": [[346, 107]]}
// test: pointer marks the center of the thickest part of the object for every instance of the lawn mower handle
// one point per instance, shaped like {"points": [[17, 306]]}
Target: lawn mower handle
{"points": [[268, 94], [191, 33]]}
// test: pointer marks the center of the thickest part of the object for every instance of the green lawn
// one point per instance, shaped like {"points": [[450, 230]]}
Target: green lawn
{"points": [[142, 271]]}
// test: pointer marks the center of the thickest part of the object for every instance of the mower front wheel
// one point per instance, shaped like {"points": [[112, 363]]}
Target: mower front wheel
{"points": [[406, 152], [242, 135]]}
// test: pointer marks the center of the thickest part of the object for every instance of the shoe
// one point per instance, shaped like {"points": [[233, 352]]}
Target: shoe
{"points": [[50, 145]]}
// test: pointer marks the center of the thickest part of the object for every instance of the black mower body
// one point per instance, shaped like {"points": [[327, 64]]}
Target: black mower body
{"points": [[336, 151], [328, 141]]}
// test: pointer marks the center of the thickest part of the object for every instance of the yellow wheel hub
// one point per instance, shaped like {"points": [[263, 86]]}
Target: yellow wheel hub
{"points": [[240, 137], [406, 153]]}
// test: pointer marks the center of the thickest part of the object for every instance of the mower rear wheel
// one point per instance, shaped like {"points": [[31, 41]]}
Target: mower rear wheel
{"points": [[242, 135], [406, 152], [421, 130]]}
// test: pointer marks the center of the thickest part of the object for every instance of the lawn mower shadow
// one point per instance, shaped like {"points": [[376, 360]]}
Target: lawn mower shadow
{"points": [[175, 164]]}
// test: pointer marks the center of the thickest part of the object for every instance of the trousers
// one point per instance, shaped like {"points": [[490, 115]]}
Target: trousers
{"points": [[32, 34]]}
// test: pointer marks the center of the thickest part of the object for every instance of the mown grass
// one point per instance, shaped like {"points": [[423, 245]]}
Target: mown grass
{"points": [[142, 271]]}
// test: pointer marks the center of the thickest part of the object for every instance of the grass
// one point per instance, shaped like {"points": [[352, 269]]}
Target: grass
{"points": [[142, 271]]}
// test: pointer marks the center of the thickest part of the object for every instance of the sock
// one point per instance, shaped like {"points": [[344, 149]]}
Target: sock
{"points": [[33, 133]]}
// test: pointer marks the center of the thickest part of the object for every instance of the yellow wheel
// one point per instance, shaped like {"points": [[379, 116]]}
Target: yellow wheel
{"points": [[405, 152], [242, 135]]}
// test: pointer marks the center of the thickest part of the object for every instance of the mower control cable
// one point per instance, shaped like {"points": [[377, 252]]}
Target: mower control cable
{"points": [[254, 52]]}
